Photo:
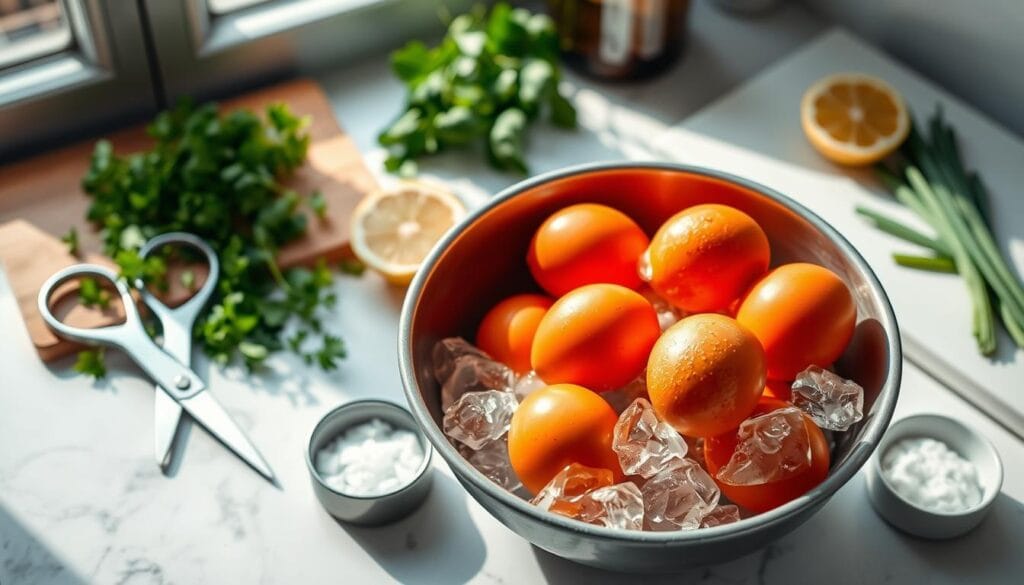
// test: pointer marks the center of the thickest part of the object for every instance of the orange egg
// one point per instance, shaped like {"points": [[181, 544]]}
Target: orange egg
{"points": [[586, 244], [506, 332], [704, 257], [803, 314], [558, 425], [705, 374], [761, 498], [596, 336]]}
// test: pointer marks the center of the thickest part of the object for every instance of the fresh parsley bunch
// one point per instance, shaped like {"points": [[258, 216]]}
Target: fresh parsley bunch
{"points": [[219, 177], [488, 79]]}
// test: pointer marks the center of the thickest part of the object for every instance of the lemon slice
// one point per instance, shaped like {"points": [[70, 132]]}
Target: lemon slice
{"points": [[394, 229], [854, 119]]}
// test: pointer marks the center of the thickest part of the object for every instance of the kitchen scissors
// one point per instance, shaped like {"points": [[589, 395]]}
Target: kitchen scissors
{"points": [[178, 388]]}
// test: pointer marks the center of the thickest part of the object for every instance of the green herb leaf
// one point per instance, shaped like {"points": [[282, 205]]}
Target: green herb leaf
{"points": [[91, 294], [352, 266], [71, 239], [91, 363], [318, 204], [188, 279], [221, 178], [460, 92], [328, 355]]}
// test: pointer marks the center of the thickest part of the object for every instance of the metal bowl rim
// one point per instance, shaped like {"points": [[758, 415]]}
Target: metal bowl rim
{"points": [[428, 452], [838, 476]]}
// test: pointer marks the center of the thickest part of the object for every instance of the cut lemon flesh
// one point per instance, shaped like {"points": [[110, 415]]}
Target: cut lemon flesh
{"points": [[854, 119], [393, 230]]}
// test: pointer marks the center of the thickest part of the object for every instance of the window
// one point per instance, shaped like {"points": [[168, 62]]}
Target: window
{"points": [[30, 29], [71, 67], [226, 6]]}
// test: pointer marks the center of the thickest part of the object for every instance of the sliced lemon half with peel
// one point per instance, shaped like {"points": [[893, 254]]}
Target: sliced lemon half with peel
{"points": [[854, 119], [394, 229]]}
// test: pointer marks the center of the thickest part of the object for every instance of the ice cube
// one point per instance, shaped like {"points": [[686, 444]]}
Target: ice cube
{"points": [[477, 418], [695, 449], [769, 447], [644, 444], [492, 461], [527, 384], [615, 506], [461, 367], [668, 315], [562, 493], [447, 351], [588, 494], [726, 514], [679, 497], [833, 402], [621, 398]]}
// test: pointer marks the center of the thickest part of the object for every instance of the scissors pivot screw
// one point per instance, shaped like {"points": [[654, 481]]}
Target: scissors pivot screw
{"points": [[182, 382]]}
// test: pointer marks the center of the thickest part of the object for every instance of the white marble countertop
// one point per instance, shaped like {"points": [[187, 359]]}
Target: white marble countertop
{"points": [[81, 500]]}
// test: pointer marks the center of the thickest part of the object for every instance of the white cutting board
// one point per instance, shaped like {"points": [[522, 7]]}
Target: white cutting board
{"points": [[755, 132]]}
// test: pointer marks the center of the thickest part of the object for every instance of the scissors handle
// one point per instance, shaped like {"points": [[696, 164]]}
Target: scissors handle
{"points": [[129, 336], [184, 315]]}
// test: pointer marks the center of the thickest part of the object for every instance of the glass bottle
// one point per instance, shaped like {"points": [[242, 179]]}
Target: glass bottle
{"points": [[620, 39]]}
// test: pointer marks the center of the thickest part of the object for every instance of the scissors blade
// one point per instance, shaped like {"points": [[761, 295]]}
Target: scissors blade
{"points": [[212, 416], [166, 412], [167, 416]]}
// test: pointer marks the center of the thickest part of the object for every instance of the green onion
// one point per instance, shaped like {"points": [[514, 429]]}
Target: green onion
{"points": [[933, 182]]}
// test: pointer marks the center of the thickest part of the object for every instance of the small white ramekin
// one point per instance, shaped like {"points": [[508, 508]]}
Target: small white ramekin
{"points": [[914, 519]]}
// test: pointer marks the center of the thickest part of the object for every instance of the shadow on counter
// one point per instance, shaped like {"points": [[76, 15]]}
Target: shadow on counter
{"points": [[436, 544]]}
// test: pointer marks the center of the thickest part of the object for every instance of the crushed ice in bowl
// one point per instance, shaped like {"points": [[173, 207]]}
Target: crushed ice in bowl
{"points": [[527, 384], [722, 514], [492, 461], [833, 402], [644, 444], [588, 494], [460, 368], [479, 418], [679, 497], [770, 447]]}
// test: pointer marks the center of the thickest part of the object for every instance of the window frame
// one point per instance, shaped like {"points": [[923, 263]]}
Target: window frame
{"points": [[206, 55], [102, 76]]}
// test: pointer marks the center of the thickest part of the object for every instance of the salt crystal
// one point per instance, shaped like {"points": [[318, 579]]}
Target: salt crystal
{"points": [[478, 418], [726, 514], [460, 368], [832, 401], [370, 459], [678, 498], [929, 474], [770, 447], [644, 444]]}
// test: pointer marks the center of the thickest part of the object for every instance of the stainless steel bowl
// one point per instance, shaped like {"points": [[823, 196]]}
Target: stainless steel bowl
{"points": [[482, 260]]}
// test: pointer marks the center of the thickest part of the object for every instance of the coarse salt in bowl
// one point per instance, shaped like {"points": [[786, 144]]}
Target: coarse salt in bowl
{"points": [[930, 511], [368, 462]]}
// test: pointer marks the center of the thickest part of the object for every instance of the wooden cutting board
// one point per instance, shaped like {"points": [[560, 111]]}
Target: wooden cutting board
{"points": [[41, 199]]}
